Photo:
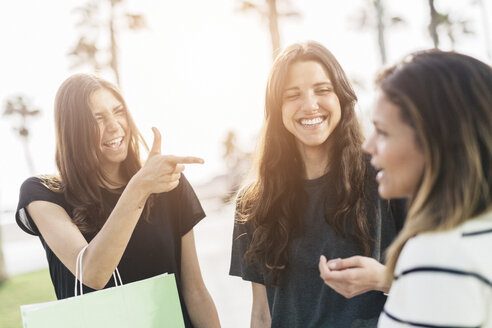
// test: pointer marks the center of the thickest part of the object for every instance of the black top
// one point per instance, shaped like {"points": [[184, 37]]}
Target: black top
{"points": [[303, 299], [154, 247]]}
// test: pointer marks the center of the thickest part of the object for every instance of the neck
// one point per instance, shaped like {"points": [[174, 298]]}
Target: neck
{"points": [[114, 178], [315, 160]]}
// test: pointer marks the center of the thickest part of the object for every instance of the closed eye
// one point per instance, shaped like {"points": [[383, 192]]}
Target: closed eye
{"points": [[291, 96], [324, 91]]}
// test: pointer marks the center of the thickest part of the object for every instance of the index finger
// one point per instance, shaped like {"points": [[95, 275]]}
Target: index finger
{"points": [[186, 159], [346, 263]]}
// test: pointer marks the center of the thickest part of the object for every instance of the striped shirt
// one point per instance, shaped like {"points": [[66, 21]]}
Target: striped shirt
{"points": [[443, 279]]}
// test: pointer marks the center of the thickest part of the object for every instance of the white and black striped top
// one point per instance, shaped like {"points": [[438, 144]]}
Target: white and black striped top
{"points": [[444, 279]]}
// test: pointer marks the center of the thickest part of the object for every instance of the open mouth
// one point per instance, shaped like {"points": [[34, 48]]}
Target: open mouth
{"points": [[312, 122], [379, 174], [114, 143]]}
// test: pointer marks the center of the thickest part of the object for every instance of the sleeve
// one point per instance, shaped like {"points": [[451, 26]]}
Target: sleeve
{"points": [[190, 209], [241, 267], [435, 286], [31, 190]]}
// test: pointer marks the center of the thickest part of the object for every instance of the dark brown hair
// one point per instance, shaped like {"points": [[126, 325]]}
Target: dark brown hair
{"points": [[78, 153], [276, 197], [446, 98]]}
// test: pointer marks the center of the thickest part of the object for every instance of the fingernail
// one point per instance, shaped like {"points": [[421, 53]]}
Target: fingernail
{"points": [[333, 265]]}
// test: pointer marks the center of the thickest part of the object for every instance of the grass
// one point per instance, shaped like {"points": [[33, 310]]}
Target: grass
{"points": [[33, 287]]}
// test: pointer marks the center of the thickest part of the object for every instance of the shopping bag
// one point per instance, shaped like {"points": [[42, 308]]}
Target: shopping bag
{"points": [[148, 303]]}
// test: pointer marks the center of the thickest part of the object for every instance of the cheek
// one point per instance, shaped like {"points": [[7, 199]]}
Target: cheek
{"points": [[285, 115]]}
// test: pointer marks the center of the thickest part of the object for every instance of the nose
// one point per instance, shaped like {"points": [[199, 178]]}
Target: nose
{"points": [[310, 103], [111, 124]]}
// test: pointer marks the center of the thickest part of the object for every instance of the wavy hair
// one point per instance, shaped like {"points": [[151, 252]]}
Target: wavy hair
{"points": [[78, 154], [275, 199], [446, 98]]}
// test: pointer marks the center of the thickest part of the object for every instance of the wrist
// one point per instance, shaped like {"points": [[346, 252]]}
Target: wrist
{"points": [[383, 284], [138, 190]]}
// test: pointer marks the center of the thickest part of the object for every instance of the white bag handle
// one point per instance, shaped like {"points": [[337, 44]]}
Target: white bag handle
{"points": [[78, 273]]}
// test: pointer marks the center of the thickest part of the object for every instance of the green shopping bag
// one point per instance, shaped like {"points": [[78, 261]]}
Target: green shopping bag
{"points": [[149, 303]]}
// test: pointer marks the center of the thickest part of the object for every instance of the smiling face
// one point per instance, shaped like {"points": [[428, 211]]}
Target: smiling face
{"points": [[111, 118], [310, 107], [395, 152]]}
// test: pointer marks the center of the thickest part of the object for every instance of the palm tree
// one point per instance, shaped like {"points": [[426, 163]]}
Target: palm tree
{"points": [[374, 15], [87, 50], [453, 28], [269, 10], [18, 106]]}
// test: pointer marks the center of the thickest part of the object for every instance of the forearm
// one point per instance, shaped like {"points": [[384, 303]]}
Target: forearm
{"points": [[106, 249], [201, 308], [260, 311]]}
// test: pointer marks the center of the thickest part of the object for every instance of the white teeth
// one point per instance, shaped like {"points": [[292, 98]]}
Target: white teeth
{"points": [[114, 141], [311, 121]]}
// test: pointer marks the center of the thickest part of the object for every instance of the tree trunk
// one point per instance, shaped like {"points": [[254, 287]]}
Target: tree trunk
{"points": [[380, 22], [114, 45], [273, 25], [433, 24], [27, 154]]}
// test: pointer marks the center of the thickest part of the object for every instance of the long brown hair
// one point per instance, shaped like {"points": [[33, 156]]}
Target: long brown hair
{"points": [[78, 153], [275, 199], [446, 98]]}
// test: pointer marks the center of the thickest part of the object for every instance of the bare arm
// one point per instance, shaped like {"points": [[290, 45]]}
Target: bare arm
{"points": [[198, 301], [354, 275], [260, 312], [159, 174]]}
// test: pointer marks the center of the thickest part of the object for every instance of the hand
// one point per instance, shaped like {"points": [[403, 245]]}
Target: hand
{"points": [[354, 275], [161, 173]]}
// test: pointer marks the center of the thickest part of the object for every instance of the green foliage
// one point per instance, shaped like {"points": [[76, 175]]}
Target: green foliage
{"points": [[33, 287]]}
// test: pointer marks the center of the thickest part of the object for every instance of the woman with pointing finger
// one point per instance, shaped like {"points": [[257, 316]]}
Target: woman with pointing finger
{"points": [[136, 217]]}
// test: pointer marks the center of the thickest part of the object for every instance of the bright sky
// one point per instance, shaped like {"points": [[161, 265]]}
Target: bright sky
{"points": [[197, 71]]}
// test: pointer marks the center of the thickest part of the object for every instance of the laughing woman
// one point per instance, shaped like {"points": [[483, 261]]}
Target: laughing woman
{"points": [[314, 193], [433, 144], [136, 217]]}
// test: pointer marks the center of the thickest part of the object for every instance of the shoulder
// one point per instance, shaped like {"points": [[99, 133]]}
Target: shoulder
{"points": [[462, 248], [40, 188], [435, 267]]}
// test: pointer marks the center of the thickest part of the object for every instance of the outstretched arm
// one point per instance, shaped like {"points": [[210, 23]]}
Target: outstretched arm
{"points": [[159, 174], [354, 275]]}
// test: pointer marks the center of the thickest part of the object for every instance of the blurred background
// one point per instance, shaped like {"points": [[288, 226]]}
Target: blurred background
{"points": [[197, 70]]}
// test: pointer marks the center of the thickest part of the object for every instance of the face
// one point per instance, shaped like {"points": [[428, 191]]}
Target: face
{"points": [[395, 152], [111, 118], [310, 108]]}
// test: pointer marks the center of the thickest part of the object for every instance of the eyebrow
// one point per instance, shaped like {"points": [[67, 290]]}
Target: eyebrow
{"points": [[318, 84]]}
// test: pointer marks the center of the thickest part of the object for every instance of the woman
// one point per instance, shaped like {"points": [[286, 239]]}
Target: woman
{"points": [[314, 193], [433, 144], [137, 218]]}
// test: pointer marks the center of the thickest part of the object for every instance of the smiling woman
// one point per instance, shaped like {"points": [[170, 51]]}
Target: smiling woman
{"points": [[136, 217], [314, 194]]}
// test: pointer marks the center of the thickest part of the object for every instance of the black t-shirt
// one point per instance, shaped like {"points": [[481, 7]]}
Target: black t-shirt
{"points": [[303, 299], [154, 247]]}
